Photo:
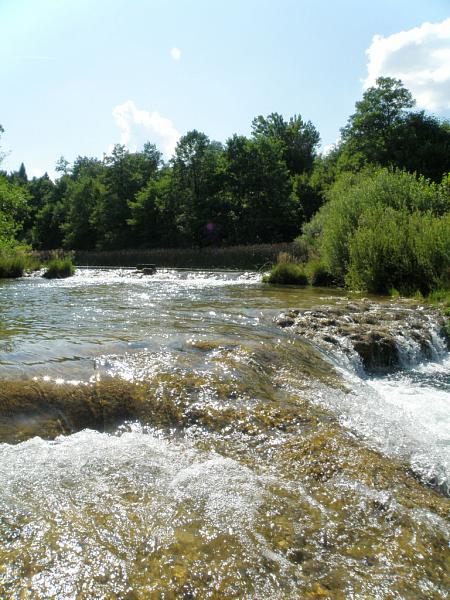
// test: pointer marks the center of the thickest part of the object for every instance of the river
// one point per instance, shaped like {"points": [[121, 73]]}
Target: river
{"points": [[164, 438]]}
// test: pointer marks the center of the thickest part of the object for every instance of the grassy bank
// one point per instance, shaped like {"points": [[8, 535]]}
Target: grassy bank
{"points": [[232, 257], [59, 268], [15, 263]]}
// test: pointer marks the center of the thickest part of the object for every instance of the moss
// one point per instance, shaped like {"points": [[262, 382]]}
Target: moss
{"points": [[326, 500]]}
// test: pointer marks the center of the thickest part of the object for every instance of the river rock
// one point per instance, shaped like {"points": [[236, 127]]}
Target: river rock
{"points": [[380, 336]]}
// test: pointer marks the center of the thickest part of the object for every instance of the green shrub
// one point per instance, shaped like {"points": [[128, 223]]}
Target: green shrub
{"points": [[287, 273], [440, 297], [383, 229], [12, 266], [394, 249], [318, 274], [59, 268]]}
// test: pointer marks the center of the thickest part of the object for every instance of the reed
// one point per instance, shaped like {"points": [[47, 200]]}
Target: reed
{"points": [[59, 268], [12, 266], [15, 263], [252, 257]]}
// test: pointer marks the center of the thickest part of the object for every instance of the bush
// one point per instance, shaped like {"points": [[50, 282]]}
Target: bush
{"points": [[285, 257], [393, 249], [12, 266], [59, 268], [383, 229], [287, 273], [318, 274]]}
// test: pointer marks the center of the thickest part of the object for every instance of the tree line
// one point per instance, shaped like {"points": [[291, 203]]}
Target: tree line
{"points": [[264, 188]]}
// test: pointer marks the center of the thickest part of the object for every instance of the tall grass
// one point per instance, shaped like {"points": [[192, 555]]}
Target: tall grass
{"points": [[12, 265], [15, 262], [59, 268], [250, 257], [287, 274]]}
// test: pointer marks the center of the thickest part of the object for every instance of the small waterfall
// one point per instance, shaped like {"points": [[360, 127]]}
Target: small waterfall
{"points": [[395, 360]]}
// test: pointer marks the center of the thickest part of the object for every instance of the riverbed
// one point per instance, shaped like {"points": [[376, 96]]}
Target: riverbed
{"points": [[163, 437]]}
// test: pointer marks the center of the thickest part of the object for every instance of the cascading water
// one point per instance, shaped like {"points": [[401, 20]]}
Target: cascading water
{"points": [[164, 438], [399, 400]]}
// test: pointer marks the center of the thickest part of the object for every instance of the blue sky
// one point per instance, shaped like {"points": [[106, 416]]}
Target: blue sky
{"points": [[78, 76]]}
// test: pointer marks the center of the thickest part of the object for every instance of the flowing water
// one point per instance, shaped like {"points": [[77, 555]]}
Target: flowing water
{"points": [[164, 438]]}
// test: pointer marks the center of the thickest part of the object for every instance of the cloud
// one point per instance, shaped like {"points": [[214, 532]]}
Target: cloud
{"points": [[327, 148], [37, 172], [175, 53], [420, 57], [139, 126]]}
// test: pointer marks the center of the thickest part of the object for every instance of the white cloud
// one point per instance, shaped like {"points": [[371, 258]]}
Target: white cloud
{"points": [[37, 172], [175, 53], [420, 57], [139, 126], [327, 148]]}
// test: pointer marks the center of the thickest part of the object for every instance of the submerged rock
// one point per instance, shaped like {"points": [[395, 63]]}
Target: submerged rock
{"points": [[381, 336]]}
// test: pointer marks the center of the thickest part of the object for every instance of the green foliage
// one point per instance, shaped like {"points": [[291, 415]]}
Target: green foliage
{"points": [[125, 174], [297, 139], [440, 297], [14, 262], [318, 274], [152, 219], [254, 190], [383, 131], [384, 229], [13, 201], [196, 183], [287, 273], [393, 249], [12, 265], [59, 268], [260, 189], [381, 109], [81, 197]]}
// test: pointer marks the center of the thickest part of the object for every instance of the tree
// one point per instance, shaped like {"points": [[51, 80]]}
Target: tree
{"points": [[384, 228], [422, 144], [40, 192], [80, 198], [125, 175], [22, 173], [370, 130], [298, 139], [62, 166], [152, 219], [50, 212], [13, 201], [196, 183], [261, 190]]}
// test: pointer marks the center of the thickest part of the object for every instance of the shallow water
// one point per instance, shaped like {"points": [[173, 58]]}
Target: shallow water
{"points": [[238, 461]]}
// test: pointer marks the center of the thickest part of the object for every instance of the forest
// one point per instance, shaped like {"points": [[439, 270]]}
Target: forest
{"points": [[373, 213]]}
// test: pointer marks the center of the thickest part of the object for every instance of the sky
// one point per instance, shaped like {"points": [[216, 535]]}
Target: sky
{"points": [[78, 76]]}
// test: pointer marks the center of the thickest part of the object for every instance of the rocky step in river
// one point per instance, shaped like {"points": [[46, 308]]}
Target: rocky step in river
{"points": [[382, 337]]}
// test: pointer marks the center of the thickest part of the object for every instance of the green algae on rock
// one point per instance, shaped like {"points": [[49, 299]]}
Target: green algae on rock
{"points": [[280, 501]]}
